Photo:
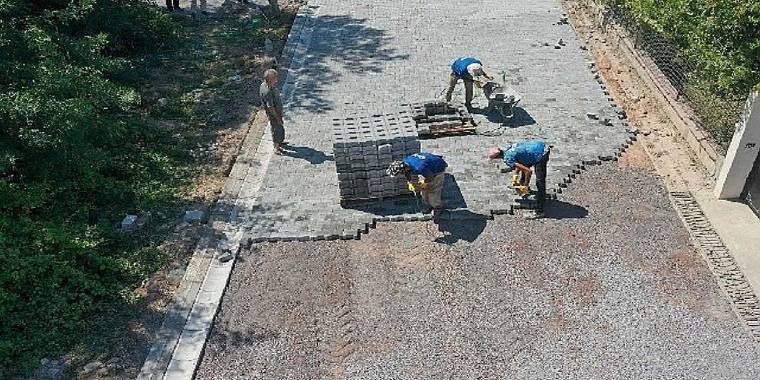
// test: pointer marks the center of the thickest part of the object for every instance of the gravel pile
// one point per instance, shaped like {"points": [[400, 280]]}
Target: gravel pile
{"points": [[607, 286]]}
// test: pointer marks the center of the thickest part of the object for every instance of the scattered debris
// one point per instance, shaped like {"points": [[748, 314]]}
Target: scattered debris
{"points": [[129, 223], [50, 369], [561, 42], [162, 102], [225, 256], [268, 46], [592, 116], [194, 216], [563, 20], [90, 367], [235, 78]]}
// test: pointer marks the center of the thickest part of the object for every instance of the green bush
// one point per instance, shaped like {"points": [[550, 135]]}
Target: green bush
{"points": [[720, 40], [75, 156]]}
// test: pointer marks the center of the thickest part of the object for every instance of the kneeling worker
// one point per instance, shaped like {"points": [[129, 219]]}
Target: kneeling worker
{"points": [[467, 69], [424, 172], [521, 156]]}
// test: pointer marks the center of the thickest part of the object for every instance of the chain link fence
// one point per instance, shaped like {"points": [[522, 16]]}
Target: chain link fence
{"points": [[715, 113]]}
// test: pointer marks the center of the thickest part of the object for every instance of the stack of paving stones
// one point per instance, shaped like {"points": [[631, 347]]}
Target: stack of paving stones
{"points": [[363, 149], [435, 118]]}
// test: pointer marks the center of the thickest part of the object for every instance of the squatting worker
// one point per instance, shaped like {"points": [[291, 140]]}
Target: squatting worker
{"points": [[467, 69], [270, 99], [423, 171], [521, 156]]}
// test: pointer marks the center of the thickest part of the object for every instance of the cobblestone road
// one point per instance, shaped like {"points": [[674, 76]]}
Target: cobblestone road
{"points": [[607, 287], [361, 57]]}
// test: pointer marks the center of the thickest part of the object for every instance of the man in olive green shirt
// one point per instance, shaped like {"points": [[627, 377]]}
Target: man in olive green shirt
{"points": [[270, 99]]}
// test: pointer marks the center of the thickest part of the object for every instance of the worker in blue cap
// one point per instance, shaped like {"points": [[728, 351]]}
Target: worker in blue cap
{"points": [[468, 69], [522, 156], [424, 172]]}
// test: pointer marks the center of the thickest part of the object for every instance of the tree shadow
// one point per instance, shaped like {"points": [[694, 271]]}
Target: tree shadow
{"points": [[556, 209], [315, 157], [339, 44], [520, 117], [459, 225]]}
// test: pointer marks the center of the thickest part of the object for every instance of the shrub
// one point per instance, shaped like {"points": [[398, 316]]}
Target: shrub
{"points": [[74, 157]]}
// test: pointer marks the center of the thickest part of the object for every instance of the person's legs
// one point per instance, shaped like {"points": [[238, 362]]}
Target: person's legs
{"points": [[468, 92], [278, 135], [176, 5], [452, 84], [468, 83], [435, 189], [541, 181], [169, 5]]}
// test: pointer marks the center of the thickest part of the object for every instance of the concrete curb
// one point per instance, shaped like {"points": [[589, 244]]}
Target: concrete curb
{"points": [[179, 343]]}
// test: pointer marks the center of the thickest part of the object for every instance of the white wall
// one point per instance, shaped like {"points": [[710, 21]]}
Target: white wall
{"points": [[742, 152]]}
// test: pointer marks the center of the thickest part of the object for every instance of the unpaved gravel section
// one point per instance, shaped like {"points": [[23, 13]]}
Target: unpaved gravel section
{"points": [[607, 286]]}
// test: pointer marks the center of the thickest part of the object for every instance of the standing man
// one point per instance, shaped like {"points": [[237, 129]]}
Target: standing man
{"points": [[270, 99], [172, 5], [521, 156], [426, 172], [466, 69]]}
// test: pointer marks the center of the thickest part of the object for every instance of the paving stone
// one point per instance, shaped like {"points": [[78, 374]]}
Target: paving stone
{"points": [[354, 64]]}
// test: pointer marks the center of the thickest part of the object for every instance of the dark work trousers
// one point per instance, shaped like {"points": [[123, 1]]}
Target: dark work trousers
{"points": [[540, 170], [172, 5], [468, 82]]}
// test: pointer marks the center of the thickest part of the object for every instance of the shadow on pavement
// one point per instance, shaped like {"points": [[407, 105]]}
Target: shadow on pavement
{"points": [[452, 194], [562, 210], [520, 118], [459, 225], [315, 157], [340, 44]]}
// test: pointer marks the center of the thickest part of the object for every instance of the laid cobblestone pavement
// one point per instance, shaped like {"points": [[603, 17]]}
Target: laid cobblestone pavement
{"points": [[606, 287], [363, 57]]}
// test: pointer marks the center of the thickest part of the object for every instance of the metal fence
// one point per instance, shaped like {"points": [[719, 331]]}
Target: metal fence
{"points": [[713, 112]]}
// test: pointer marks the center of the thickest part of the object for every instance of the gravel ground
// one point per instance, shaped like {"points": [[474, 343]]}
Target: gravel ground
{"points": [[607, 286]]}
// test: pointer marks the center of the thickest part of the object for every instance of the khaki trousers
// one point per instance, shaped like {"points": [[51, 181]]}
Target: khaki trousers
{"points": [[431, 194], [453, 79]]}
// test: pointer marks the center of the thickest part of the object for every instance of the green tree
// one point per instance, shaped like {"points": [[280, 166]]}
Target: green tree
{"points": [[73, 155]]}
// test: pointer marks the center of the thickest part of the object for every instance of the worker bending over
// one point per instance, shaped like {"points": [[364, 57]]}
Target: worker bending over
{"points": [[467, 69], [521, 156], [425, 173]]}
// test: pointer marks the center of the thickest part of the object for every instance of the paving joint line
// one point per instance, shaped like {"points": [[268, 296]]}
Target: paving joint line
{"points": [[742, 298]]}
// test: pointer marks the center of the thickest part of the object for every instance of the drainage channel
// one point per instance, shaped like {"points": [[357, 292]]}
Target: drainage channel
{"points": [[743, 299]]}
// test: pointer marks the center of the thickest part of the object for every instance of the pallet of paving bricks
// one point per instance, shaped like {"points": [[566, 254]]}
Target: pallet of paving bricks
{"points": [[441, 119], [364, 147]]}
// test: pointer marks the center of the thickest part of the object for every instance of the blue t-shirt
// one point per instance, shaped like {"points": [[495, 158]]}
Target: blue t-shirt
{"points": [[527, 153], [459, 67], [426, 164]]}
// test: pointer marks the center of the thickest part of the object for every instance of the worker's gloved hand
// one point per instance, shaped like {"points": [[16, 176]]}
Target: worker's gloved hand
{"points": [[411, 187], [422, 183]]}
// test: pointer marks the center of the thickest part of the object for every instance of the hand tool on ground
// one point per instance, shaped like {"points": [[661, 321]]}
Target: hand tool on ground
{"points": [[413, 189], [518, 185]]}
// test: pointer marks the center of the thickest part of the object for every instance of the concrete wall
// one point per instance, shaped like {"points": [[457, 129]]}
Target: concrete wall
{"points": [[742, 152]]}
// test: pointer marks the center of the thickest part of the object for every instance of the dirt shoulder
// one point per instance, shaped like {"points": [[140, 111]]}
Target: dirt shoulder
{"points": [[205, 92], [671, 157]]}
